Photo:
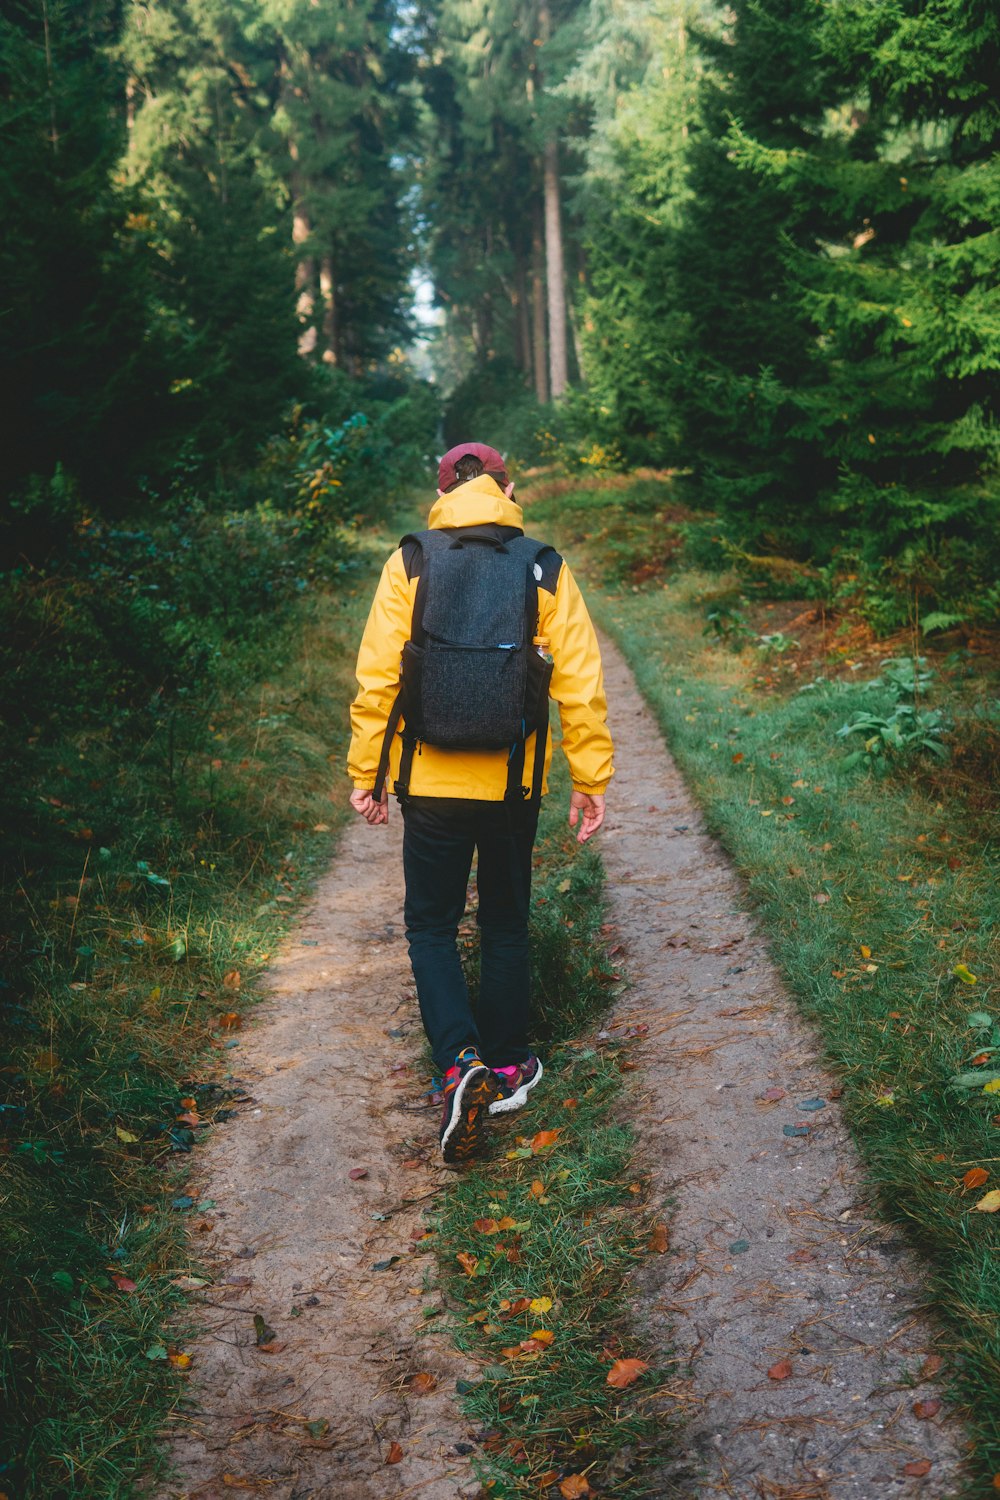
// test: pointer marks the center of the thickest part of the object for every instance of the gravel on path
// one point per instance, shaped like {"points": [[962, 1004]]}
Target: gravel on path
{"points": [[776, 1261]]}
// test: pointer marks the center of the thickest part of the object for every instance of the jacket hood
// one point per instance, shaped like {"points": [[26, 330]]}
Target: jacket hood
{"points": [[474, 504]]}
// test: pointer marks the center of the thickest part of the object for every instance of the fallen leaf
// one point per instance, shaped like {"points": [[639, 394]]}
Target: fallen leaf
{"points": [[787, 801], [124, 1283], [563, 887], [541, 1335], [486, 1226], [395, 1454], [179, 1361], [930, 1367], [126, 1136], [540, 1305], [188, 1118], [801, 1257], [975, 1177], [924, 1410], [990, 1204], [230, 1020], [423, 1383], [917, 1468], [771, 1096], [625, 1371], [538, 1189], [264, 1333], [574, 1487], [659, 1240], [866, 952], [467, 1262], [821, 898], [569, 1104], [544, 1139], [357, 1173], [737, 757], [231, 979], [965, 974], [274, 1347], [781, 1370]]}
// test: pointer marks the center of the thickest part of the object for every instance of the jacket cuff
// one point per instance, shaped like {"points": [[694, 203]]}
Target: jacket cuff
{"points": [[590, 791], [366, 784]]}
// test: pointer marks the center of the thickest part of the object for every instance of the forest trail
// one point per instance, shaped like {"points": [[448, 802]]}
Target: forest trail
{"points": [[773, 1257]]}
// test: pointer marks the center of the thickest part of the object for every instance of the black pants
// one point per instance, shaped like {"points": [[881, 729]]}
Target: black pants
{"points": [[439, 837]]}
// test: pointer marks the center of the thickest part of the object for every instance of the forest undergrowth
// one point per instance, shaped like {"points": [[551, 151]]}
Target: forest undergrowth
{"points": [[854, 783]]}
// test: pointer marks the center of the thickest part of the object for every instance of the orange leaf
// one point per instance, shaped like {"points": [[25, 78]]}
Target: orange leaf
{"points": [[189, 1117], [924, 1410], [512, 1351], [124, 1283], [394, 1454], [781, 1370], [485, 1226], [179, 1361], [975, 1177], [467, 1262], [625, 1371], [569, 1104], [931, 1366], [737, 757], [542, 1336], [423, 1383], [189, 1104], [659, 1240], [231, 979], [537, 1188], [574, 1487], [506, 1222], [917, 1468], [544, 1139], [231, 1020]]}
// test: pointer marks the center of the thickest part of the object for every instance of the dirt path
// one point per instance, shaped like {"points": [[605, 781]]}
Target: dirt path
{"points": [[296, 1240], [775, 1257]]}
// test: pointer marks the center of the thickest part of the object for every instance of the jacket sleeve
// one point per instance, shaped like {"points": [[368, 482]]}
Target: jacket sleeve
{"points": [[577, 684], [388, 628]]}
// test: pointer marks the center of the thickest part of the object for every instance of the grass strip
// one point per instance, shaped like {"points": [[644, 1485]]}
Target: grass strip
{"points": [[537, 1243], [878, 893], [126, 983]]}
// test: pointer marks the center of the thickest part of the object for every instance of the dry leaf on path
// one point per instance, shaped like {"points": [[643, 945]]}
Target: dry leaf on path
{"points": [[625, 1371], [924, 1410], [574, 1487], [781, 1370], [357, 1173], [659, 1240], [931, 1366], [394, 1454], [917, 1468], [423, 1383]]}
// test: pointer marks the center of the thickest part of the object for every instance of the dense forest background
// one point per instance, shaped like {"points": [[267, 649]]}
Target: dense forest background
{"points": [[756, 243]]}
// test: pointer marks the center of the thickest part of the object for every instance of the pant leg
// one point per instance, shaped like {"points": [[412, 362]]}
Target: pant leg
{"points": [[505, 841], [438, 841]]}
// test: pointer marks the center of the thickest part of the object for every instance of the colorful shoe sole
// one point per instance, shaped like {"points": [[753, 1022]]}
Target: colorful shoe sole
{"points": [[474, 1095], [519, 1097]]}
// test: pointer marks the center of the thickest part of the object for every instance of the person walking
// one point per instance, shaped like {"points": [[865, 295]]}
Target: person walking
{"points": [[431, 715]]}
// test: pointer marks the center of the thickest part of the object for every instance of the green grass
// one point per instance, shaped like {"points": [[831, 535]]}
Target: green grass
{"points": [[579, 1222], [872, 888], [150, 894]]}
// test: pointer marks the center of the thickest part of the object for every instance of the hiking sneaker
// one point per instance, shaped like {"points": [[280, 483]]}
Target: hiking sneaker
{"points": [[469, 1089], [515, 1083]]}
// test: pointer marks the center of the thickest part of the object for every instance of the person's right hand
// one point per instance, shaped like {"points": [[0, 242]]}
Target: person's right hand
{"points": [[591, 805], [373, 812]]}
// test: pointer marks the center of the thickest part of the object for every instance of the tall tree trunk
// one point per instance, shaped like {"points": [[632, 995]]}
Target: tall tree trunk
{"points": [[555, 275], [305, 268], [522, 324], [328, 293], [554, 270], [539, 351]]}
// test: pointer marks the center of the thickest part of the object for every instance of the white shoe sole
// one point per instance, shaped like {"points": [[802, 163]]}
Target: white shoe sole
{"points": [[516, 1100]]}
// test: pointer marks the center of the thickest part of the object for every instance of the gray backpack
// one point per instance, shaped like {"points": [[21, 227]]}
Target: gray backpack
{"points": [[470, 677]]}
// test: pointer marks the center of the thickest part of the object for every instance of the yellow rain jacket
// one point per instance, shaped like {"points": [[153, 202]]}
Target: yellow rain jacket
{"points": [[577, 682]]}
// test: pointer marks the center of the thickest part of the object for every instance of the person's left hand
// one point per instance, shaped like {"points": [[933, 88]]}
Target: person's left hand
{"points": [[373, 812]]}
